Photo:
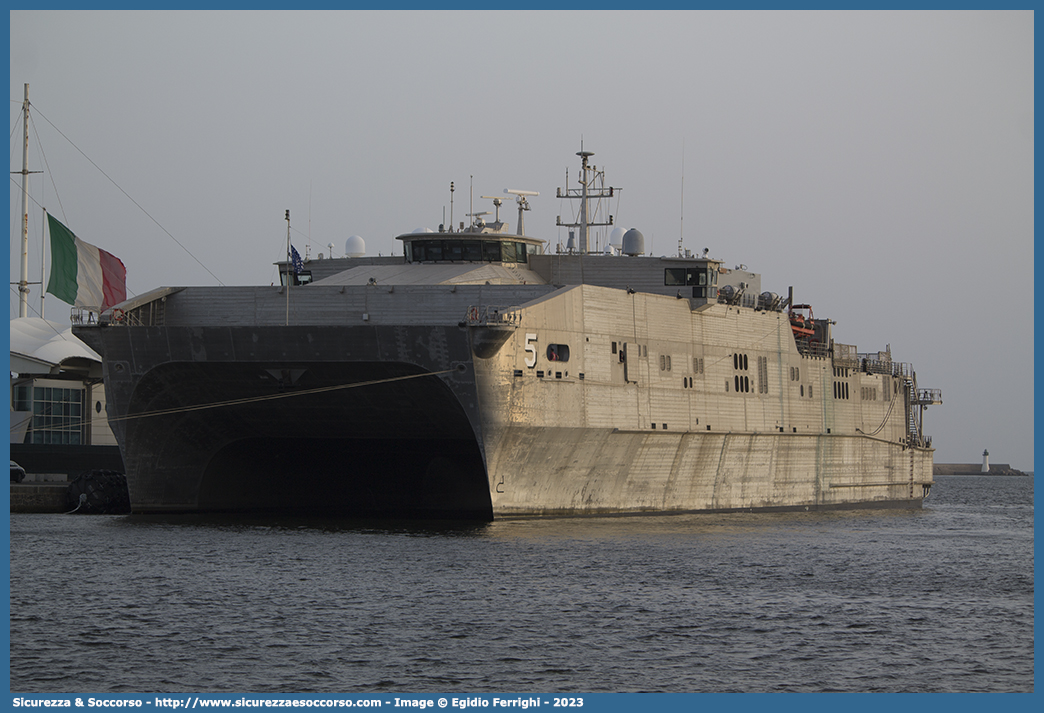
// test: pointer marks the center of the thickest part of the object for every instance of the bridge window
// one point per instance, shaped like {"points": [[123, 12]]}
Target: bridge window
{"points": [[453, 250], [472, 250], [491, 251], [468, 251]]}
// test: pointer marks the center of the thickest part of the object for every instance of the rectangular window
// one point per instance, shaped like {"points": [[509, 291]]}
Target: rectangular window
{"points": [[57, 416], [490, 251], [454, 250], [507, 252], [22, 402], [472, 251], [673, 276], [692, 276]]}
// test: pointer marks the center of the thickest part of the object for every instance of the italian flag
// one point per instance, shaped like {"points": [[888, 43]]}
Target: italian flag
{"points": [[83, 275]]}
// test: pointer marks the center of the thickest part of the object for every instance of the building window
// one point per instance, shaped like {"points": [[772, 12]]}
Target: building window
{"points": [[21, 400], [58, 416]]}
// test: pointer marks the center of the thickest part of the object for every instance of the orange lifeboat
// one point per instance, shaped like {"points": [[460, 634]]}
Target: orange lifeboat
{"points": [[803, 327]]}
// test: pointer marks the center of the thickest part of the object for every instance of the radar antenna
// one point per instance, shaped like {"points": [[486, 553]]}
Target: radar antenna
{"points": [[497, 202], [523, 205], [476, 220]]}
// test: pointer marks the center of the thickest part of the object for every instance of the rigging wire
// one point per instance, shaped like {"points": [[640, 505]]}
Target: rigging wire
{"points": [[138, 205], [48, 322], [47, 168]]}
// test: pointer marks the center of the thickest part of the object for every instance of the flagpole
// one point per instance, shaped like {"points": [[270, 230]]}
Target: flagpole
{"points": [[43, 263], [289, 266]]}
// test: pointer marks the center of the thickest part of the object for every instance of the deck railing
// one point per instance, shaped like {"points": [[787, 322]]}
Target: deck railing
{"points": [[494, 316], [927, 397]]}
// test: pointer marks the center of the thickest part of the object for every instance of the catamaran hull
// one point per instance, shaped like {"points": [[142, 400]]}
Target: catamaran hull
{"points": [[405, 421], [562, 471]]}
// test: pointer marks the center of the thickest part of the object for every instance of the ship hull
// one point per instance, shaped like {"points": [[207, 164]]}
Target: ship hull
{"points": [[369, 421], [545, 471], [548, 413]]}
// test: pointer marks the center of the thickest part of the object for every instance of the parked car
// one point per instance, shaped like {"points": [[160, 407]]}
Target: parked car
{"points": [[17, 473]]}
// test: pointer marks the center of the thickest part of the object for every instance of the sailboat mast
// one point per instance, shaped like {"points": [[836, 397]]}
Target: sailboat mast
{"points": [[23, 282]]}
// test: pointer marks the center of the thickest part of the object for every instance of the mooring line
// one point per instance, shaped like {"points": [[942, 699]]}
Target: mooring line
{"points": [[272, 397]]}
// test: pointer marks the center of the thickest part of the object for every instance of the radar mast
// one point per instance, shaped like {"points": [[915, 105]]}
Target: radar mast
{"points": [[587, 191], [523, 205]]}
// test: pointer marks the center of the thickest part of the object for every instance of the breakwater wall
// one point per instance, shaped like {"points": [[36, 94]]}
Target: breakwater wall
{"points": [[974, 469]]}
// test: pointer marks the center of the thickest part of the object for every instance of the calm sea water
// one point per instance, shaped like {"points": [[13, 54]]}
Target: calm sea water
{"points": [[939, 599]]}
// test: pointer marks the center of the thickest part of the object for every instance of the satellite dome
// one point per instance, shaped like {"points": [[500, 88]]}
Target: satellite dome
{"points": [[633, 242], [355, 246], [616, 237], [423, 230]]}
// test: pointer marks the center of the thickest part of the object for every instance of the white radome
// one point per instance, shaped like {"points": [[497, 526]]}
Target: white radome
{"points": [[355, 246]]}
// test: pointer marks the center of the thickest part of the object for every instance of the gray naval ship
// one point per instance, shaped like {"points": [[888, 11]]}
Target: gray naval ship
{"points": [[482, 375]]}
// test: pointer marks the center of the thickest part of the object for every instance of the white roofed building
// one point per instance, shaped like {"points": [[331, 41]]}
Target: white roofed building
{"points": [[57, 400]]}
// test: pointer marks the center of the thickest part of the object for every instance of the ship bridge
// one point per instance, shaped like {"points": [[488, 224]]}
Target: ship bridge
{"points": [[470, 246]]}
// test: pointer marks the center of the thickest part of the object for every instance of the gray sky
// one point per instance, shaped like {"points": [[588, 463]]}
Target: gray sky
{"points": [[879, 162]]}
